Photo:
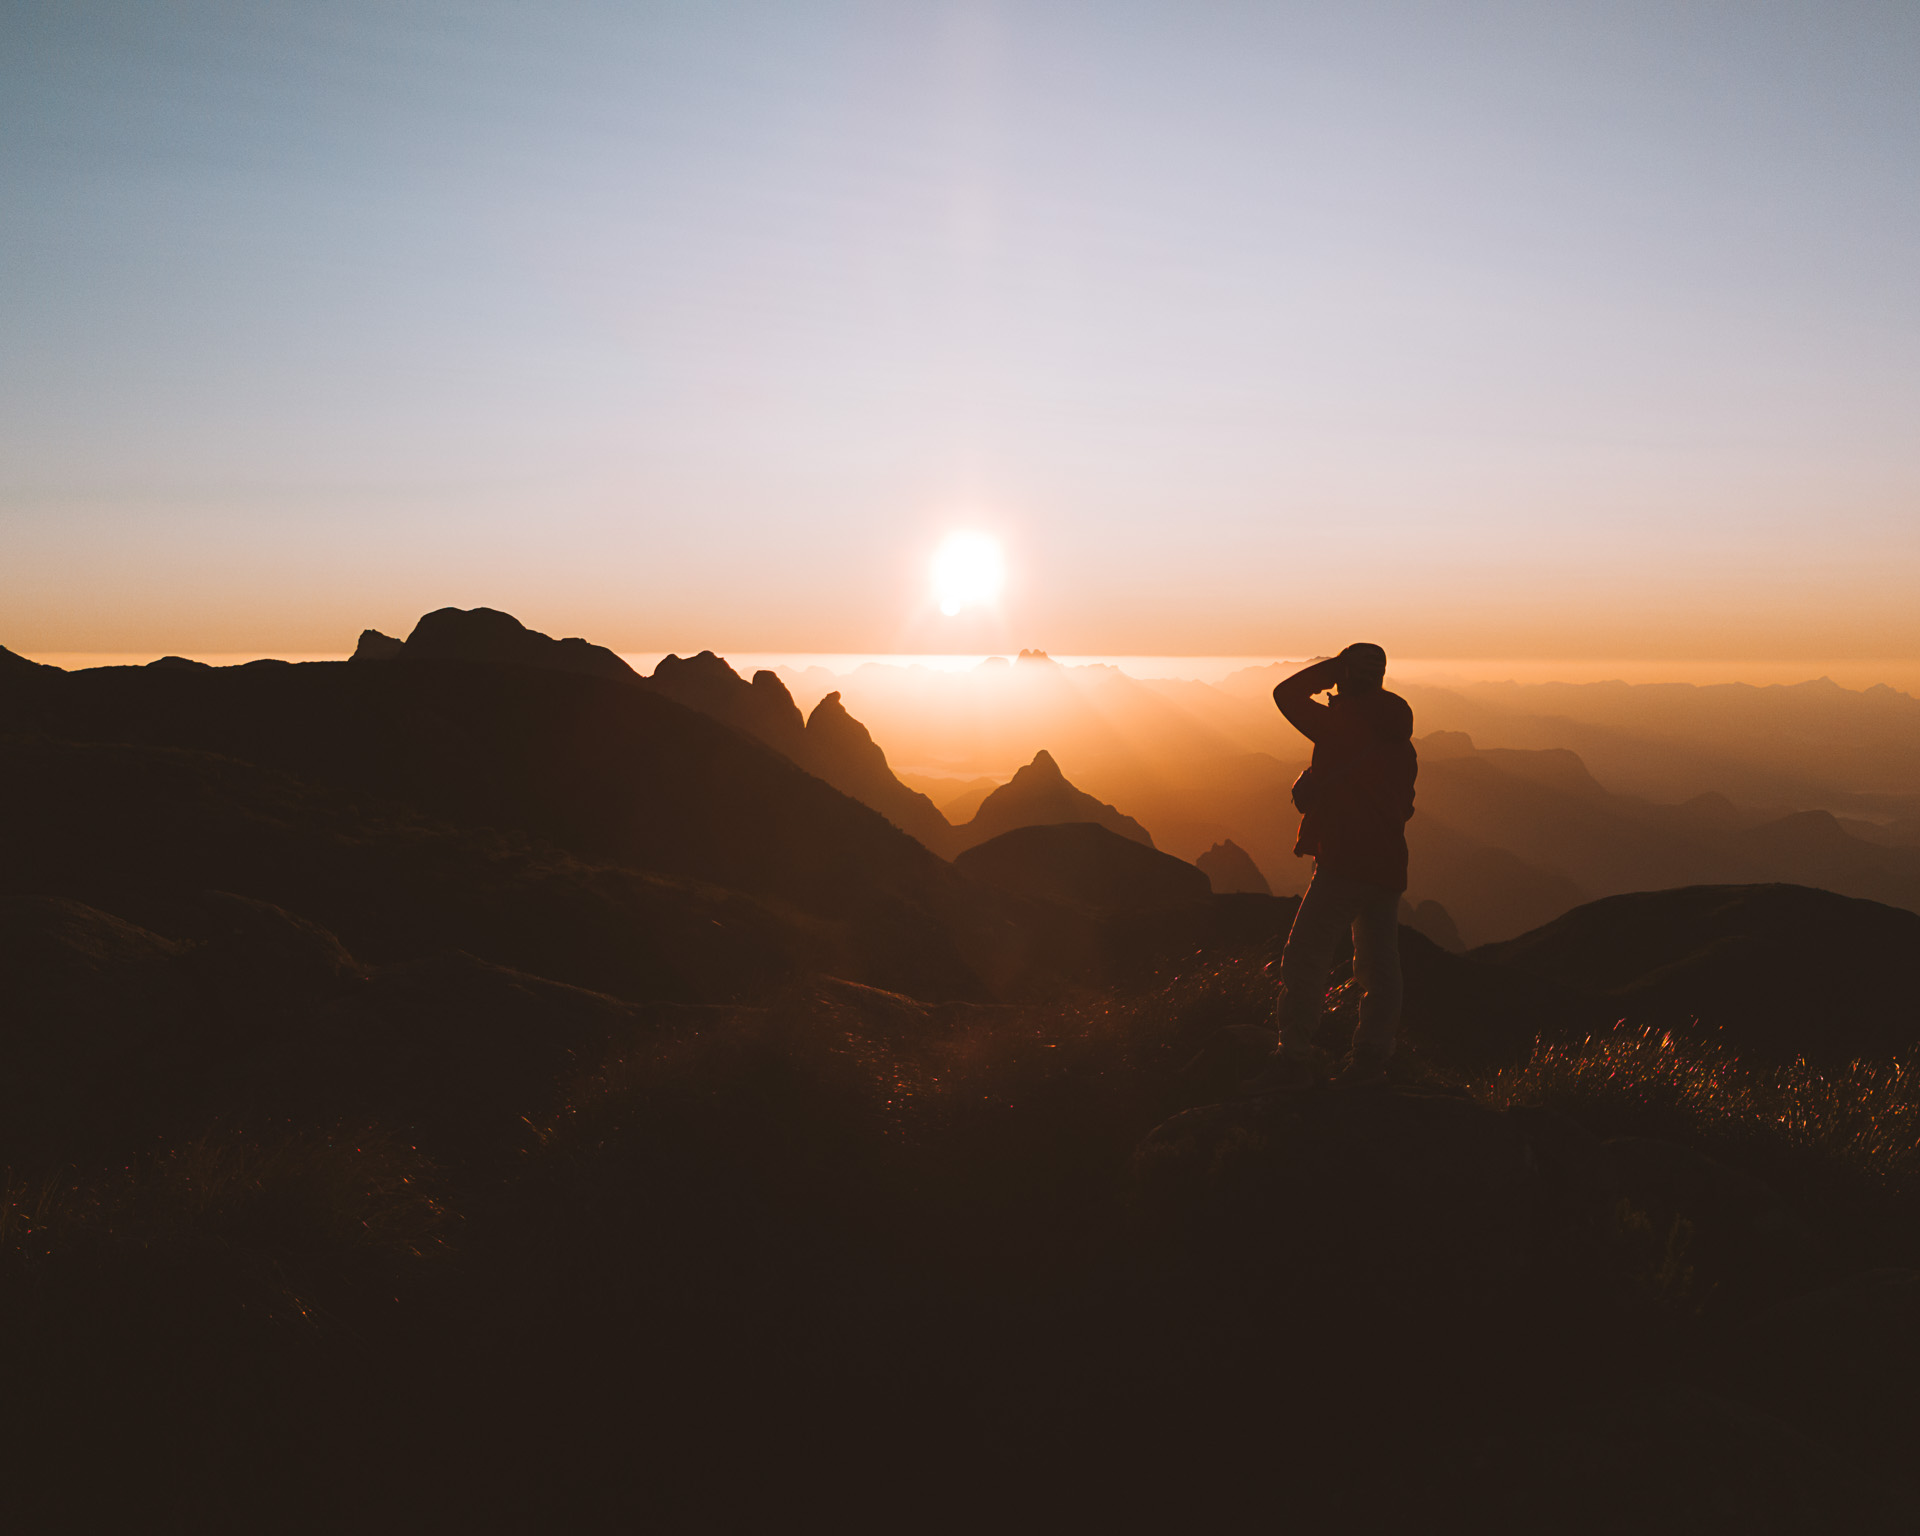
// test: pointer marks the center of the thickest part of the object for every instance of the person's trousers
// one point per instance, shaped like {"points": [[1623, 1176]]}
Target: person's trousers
{"points": [[1333, 906]]}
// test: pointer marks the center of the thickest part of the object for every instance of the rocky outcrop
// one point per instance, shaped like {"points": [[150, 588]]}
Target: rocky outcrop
{"points": [[375, 646], [1231, 871], [838, 748], [486, 634], [762, 708], [830, 744], [1038, 796]]}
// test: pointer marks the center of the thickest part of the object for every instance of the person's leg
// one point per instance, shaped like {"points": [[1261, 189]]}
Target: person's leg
{"points": [[1376, 969], [1325, 912]]}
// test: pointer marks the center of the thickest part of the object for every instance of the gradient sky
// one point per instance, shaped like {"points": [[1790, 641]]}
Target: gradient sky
{"points": [[1479, 330]]}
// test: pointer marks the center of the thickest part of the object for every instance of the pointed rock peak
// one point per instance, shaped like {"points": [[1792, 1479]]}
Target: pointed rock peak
{"points": [[1043, 767], [831, 729], [831, 715], [708, 684], [1036, 656], [771, 697], [375, 646]]}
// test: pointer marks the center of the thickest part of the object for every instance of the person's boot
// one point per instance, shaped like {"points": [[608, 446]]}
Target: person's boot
{"points": [[1362, 1068]]}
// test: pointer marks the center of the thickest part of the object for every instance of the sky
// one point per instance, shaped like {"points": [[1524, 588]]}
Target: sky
{"points": [[1556, 332]]}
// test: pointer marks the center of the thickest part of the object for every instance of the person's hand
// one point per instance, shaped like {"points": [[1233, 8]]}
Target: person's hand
{"points": [[1299, 689], [1326, 674]]}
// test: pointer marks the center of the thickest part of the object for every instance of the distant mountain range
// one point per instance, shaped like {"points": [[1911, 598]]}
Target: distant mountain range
{"points": [[1531, 800], [1504, 839], [1507, 840]]}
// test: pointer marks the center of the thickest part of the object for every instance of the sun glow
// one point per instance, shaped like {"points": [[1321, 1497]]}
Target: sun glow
{"points": [[968, 572]]}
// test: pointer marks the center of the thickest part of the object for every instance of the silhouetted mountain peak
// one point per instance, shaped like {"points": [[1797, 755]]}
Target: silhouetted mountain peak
{"points": [[1040, 795], [833, 735], [762, 708], [831, 715], [839, 749], [1035, 657], [1230, 869], [375, 646], [177, 662], [1042, 770], [832, 745], [486, 634]]}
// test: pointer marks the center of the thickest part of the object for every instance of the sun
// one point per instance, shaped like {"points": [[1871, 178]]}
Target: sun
{"points": [[968, 572]]}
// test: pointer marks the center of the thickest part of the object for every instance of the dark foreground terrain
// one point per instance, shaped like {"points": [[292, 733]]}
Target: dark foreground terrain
{"points": [[449, 1094]]}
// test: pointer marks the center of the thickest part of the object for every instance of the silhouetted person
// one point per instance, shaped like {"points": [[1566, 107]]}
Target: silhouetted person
{"points": [[1354, 802]]}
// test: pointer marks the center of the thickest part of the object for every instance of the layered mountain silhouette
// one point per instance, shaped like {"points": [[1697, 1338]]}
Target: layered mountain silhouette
{"points": [[762, 708], [839, 749], [604, 769], [1810, 743], [829, 743], [958, 799], [1508, 839], [1581, 792]]}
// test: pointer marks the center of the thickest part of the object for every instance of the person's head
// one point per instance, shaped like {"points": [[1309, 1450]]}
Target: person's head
{"points": [[1366, 668]]}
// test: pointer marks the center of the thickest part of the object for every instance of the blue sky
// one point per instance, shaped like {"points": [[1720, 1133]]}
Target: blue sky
{"points": [[1483, 329]]}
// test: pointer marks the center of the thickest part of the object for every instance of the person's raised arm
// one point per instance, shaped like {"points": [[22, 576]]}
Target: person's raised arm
{"points": [[1294, 696]]}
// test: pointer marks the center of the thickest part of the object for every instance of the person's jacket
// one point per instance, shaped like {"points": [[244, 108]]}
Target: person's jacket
{"points": [[1359, 793]]}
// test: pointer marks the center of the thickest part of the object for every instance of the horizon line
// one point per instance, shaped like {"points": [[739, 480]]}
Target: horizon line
{"points": [[1900, 674]]}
